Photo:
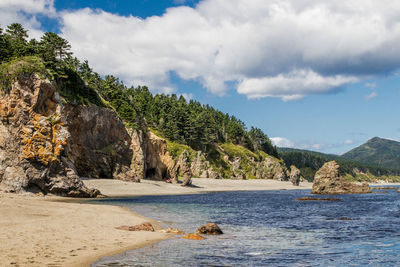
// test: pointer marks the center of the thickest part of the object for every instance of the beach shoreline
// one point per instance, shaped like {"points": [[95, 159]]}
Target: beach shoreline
{"points": [[52, 231], [41, 230]]}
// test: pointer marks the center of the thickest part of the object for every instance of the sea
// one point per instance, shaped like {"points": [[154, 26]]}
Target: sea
{"points": [[270, 228]]}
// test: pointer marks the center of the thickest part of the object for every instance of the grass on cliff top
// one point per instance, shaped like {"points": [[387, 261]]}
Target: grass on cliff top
{"points": [[233, 151], [28, 65]]}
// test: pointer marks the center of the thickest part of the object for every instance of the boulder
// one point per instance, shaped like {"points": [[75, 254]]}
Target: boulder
{"points": [[327, 181], [210, 229], [295, 175]]}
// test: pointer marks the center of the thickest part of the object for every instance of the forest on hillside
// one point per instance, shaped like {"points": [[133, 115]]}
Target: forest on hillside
{"points": [[186, 122]]}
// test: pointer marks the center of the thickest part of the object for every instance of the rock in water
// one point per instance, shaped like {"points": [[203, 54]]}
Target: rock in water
{"points": [[193, 237], [295, 175], [210, 229], [328, 181]]}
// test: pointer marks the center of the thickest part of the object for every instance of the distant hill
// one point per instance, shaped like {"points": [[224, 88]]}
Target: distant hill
{"points": [[310, 161], [377, 151]]}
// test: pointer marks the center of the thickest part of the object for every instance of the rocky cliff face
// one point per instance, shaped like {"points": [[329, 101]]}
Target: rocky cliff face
{"points": [[99, 145], [327, 180], [33, 140], [47, 146]]}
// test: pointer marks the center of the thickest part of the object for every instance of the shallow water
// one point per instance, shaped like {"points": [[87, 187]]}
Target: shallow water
{"points": [[270, 228]]}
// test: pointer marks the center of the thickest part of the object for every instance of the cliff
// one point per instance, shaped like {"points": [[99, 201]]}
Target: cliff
{"points": [[47, 144]]}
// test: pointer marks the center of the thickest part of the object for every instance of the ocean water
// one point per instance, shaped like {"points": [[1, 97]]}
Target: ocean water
{"points": [[270, 228]]}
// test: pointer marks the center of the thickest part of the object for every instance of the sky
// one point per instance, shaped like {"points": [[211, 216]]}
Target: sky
{"points": [[313, 74]]}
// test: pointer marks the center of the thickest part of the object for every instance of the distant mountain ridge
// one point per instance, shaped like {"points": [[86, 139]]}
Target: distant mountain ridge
{"points": [[377, 151], [377, 156]]}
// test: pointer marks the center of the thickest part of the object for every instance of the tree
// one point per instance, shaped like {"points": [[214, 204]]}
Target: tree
{"points": [[17, 37], [54, 50], [4, 47]]}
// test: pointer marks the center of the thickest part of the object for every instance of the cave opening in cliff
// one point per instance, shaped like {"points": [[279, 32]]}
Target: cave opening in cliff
{"points": [[150, 173]]}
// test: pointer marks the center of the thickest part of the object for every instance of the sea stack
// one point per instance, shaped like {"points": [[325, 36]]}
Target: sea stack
{"points": [[327, 181]]}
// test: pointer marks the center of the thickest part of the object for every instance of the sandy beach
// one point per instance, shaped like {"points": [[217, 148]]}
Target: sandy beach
{"points": [[44, 231], [115, 188]]}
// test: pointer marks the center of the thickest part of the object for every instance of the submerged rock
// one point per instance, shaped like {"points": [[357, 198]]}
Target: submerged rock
{"points": [[317, 199], [210, 229], [328, 181], [193, 237]]}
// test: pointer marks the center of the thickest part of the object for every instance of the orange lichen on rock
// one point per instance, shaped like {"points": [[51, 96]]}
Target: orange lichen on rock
{"points": [[193, 237]]}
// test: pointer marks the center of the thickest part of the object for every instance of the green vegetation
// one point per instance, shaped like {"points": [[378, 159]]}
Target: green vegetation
{"points": [[377, 151], [9, 71]]}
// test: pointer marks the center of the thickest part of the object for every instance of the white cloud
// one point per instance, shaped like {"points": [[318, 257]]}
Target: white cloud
{"points": [[282, 142], [371, 96], [25, 12], [269, 48], [294, 85]]}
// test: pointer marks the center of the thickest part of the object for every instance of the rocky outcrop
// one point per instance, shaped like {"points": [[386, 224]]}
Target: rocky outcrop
{"points": [[295, 175], [271, 168], [182, 167], [202, 168], [327, 180], [33, 140], [210, 229], [237, 172], [158, 161], [99, 145]]}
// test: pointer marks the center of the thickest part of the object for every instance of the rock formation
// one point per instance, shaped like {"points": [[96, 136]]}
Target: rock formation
{"points": [[327, 180], [202, 168], [33, 140], [238, 173], [210, 229], [99, 143], [294, 175], [182, 167], [271, 168], [158, 161]]}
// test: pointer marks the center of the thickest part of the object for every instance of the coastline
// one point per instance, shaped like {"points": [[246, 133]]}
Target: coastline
{"points": [[37, 230]]}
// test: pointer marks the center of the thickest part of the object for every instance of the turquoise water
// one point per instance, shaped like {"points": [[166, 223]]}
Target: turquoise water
{"points": [[270, 228]]}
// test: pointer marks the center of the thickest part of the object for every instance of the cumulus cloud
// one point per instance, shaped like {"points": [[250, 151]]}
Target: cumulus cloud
{"points": [[371, 96], [26, 12], [266, 48], [294, 85]]}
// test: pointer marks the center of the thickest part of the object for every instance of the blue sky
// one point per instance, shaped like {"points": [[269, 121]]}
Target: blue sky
{"points": [[312, 74]]}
